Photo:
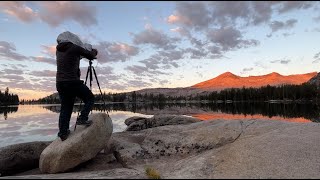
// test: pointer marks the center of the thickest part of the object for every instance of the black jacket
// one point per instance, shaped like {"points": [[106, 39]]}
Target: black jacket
{"points": [[68, 61]]}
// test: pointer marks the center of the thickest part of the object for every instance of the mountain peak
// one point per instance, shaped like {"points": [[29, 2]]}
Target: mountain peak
{"points": [[274, 74], [227, 75], [229, 80]]}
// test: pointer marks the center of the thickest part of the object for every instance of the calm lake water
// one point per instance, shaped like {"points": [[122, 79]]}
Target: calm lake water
{"points": [[26, 123]]}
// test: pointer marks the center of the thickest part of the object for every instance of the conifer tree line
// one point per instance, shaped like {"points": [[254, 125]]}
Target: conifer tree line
{"points": [[303, 92], [8, 99]]}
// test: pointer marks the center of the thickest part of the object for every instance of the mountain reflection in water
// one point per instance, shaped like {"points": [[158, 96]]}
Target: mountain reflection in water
{"points": [[25, 123], [273, 111]]}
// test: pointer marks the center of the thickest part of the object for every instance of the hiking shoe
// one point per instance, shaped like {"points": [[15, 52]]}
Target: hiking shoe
{"points": [[64, 136], [83, 122]]}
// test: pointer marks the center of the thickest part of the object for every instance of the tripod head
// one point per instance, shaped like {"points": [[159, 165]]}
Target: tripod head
{"points": [[90, 61]]}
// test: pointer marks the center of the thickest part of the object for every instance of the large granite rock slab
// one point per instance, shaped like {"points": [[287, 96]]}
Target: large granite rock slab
{"points": [[139, 123], [173, 140], [218, 149], [82, 145], [20, 157], [224, 149], [119, 173]]}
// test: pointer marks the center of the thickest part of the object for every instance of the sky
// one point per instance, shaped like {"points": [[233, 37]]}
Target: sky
{"points": [[152, 44]]}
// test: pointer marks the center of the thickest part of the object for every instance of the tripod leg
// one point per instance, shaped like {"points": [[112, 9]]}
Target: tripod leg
{"points": [[95, 74], [91, 77], [89, 70], [87, 75]]}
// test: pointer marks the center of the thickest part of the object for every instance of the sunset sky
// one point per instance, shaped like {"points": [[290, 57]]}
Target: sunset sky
{"points": [[157, 44]]}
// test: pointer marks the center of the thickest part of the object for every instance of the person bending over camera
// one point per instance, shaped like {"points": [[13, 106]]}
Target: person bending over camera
{"points": [[69, 51]]}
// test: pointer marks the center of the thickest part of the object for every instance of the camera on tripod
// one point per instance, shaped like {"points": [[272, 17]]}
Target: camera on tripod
{"points": [[91, 73]]}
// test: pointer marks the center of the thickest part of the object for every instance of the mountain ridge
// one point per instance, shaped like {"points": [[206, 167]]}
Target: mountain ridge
{"points": [[230, 80]]}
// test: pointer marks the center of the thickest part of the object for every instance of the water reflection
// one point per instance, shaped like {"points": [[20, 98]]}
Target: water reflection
{"points": [[40, 123], [27, 123], [5, 110], [280, 111]]}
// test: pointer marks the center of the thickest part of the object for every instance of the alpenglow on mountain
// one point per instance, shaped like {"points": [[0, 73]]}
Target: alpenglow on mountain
{"points": [[229, 80]]}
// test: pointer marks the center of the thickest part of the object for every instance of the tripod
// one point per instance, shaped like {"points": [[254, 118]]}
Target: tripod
{"points": [[89, 74]]}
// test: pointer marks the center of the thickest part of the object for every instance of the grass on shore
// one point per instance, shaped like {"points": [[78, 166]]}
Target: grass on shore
{"points": [[152, 173]]}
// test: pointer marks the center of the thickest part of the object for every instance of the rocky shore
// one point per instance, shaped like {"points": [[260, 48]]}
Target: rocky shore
{"points": [[184, 147]]}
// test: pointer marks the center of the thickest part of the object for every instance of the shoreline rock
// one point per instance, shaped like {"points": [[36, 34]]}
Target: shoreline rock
{"points": [[209, 150], [139, 123], [82, 145], [21, 157]]}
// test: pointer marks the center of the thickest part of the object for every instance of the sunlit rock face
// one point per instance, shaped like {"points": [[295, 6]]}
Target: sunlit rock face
{"points": [[82, 145], [229, 80]]}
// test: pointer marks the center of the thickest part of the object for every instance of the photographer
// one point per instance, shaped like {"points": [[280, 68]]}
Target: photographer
{"points": [[69, 51]]}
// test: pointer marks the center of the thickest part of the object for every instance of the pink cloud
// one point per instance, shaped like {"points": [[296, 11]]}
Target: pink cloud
{"points": [[52, 12], [18, 10], [123, 48], [49, 50], [181, 31], [173, 19], [42, 59]]}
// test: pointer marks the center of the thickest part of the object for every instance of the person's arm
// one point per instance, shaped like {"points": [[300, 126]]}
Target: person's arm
{"points": [[87, 54]]}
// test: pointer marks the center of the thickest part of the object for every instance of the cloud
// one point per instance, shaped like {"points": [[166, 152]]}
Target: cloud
{"points": [[247, 69], [201, 15], [213, 28], [155, 38], [20, 65], [316, 61], [138, 83], [228, 12], [104, 71], [19, 10], [278, 25], [12, 71], [114, 52], [252, 12], [287, 34], [316, 58], [143, 71], [8, 52], [283, 61], [53, 13], [181, 31], [229, 38], [197, 53], [104, 74], [190, 14], [41, 59], [260, 64], [44, 73], [185, 33], [215, 52], [49, 50], [163, 59], [13, 77], [287, 6]]}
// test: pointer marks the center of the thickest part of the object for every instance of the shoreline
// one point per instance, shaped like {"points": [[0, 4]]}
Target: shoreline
{"points": [[236, 149]]}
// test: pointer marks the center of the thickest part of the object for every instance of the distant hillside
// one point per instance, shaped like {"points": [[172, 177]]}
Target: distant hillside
{"points": [[229, 80], [223, 81]]}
